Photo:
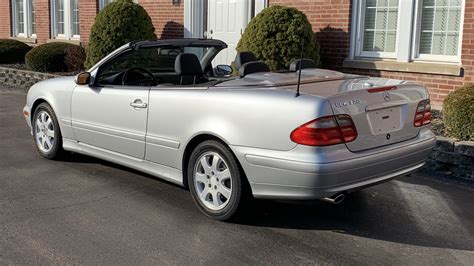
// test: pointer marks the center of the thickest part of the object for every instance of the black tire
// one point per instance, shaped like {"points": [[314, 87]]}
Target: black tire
{"points": [[238, 189], [57, 150]]}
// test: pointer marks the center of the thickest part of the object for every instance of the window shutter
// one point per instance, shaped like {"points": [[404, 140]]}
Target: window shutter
{"points": [[440, 27]]}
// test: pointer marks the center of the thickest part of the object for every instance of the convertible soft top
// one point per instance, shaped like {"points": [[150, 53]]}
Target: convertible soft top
{"points": [[183, 42]]}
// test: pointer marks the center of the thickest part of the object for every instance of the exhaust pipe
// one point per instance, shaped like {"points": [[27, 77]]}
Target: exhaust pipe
{"points": [[336, 199]]}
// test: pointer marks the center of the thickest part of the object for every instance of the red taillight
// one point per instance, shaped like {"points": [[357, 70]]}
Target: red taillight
{"points": [[422, 114], [389, 88], [325, 131]]}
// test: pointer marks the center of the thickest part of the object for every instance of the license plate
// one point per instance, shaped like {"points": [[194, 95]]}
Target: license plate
{"points": [[386, 120]]}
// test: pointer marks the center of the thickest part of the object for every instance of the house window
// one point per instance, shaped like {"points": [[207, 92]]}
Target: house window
{"points": [[65, 18], [408, 30], [23, 12], [439, 29], [103, 3]]}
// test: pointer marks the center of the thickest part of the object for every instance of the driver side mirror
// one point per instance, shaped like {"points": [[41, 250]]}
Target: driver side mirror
{"points": [[83, 78], [223, 70]]}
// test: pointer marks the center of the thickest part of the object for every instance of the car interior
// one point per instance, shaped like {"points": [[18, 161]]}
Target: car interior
{"points": [[180, 66]]}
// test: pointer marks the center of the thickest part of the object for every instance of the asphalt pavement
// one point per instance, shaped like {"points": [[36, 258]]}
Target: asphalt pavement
{"points": [[84, 210]]}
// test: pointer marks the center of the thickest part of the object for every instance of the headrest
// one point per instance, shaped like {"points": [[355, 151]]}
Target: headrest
{"points": [[187, 64], [253, 67], [244, 57], [304, 63]]}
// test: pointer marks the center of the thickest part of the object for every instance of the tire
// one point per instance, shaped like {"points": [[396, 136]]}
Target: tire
{"points": [[46, 130], [223, 197]]}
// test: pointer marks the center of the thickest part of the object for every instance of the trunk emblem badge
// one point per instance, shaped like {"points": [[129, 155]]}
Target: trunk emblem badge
{"points": [[386, 96], [388, 136]]}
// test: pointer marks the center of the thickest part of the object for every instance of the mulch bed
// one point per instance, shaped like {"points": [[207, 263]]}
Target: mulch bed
{"points": [[437, 125]]}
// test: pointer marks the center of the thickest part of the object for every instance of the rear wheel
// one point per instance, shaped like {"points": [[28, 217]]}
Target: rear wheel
{"points": [[46, 132], [215, 180]]}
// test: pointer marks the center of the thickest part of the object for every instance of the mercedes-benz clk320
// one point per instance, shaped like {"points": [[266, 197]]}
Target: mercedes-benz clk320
{"points": [[161, 107]]}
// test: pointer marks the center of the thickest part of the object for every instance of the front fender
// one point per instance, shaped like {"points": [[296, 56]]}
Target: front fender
{"points": [[57, 93]]}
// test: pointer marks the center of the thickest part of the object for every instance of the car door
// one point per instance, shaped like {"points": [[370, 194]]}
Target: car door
{"points": [[112, 115]]}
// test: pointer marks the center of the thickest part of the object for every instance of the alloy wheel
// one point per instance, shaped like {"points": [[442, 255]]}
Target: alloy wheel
{"points": [[44, 132], [213, 181]]}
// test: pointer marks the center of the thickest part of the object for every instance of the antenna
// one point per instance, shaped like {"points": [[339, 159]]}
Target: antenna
{"points": [[299, 70]]}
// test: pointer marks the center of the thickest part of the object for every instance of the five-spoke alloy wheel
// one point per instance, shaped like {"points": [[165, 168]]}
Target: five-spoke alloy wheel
{"points": [[215, 180]]}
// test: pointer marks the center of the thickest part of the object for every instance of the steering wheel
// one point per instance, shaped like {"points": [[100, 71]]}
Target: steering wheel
{"points": [[140, 71]]}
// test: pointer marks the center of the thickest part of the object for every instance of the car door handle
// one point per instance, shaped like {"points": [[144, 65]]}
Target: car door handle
{"points": [[138, 104]]}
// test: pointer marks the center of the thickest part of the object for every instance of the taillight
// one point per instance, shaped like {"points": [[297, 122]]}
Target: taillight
{"points": [[422, 114], [325, 131]]}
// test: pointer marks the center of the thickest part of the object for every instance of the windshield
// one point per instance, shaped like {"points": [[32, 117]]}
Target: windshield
{"points": [[158, 61]]}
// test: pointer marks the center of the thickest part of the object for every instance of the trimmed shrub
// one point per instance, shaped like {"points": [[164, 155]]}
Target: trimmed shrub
{"points": [[74, 58], [12, 51], [54, 57], [275, 37], [458, 113], [117, 24]]}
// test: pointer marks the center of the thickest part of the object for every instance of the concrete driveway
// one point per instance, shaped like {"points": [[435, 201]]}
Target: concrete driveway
{"points": [[87, 211]]}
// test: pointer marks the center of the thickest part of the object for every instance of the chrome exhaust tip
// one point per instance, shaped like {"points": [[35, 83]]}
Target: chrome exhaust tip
{"points": [[336, 199]]}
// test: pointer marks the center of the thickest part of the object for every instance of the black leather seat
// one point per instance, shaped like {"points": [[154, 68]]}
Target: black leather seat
{"points": [[304, 63], [253, 67], [189, 69], [244, 57]]}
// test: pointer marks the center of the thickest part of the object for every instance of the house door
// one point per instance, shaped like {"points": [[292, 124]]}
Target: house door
{"points": [[226, 22], [220, 19]]}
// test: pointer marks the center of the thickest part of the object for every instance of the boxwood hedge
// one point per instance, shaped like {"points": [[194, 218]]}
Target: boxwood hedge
{"points": [[12, 51], [55, 57], [275, 37], [458, 113], [118, 23]]}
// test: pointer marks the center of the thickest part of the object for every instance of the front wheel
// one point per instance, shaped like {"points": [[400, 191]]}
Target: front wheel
{"points": [[46, 132], [215, 180]]}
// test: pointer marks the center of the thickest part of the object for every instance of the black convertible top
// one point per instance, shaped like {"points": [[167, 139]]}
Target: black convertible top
{"points": [[182, 42]]}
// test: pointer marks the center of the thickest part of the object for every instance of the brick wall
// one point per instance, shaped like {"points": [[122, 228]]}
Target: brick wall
{"points": [[167, 18], [43, 20], [5, 20], [87, 11], [331, 21]]}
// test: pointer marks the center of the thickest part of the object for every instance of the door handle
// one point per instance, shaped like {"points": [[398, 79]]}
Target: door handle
{"points": [[138, 104]]}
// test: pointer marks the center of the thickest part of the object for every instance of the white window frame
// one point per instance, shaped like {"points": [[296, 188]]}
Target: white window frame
{"points": [[27, 19], [417, 35], [68, 23], [408, 35], [360, 35], [103, 3]]}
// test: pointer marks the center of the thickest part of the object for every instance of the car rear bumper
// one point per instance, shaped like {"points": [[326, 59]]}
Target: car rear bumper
{"points": [[313, 173]]}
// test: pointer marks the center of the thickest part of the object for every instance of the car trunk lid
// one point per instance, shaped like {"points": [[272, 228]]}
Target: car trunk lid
{"points": [[382, 110]]}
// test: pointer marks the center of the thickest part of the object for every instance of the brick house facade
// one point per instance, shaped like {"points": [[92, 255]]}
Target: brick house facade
{"points": [[335, 25]]}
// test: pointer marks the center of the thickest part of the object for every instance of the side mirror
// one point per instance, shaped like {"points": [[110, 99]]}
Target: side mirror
{"points": [[83, 78], [223, 70]]}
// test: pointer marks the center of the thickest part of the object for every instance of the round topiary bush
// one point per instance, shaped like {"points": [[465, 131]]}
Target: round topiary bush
{"points": [[54, 57], [458, 113], [275, 37], [12, 51], [118, 23]]}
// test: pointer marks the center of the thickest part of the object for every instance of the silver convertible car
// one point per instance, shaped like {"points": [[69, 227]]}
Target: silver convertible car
{"points": [[306, 133]]}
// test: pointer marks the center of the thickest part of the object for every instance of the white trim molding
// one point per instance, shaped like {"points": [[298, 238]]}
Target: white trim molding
{"points": [[194, 18]]}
